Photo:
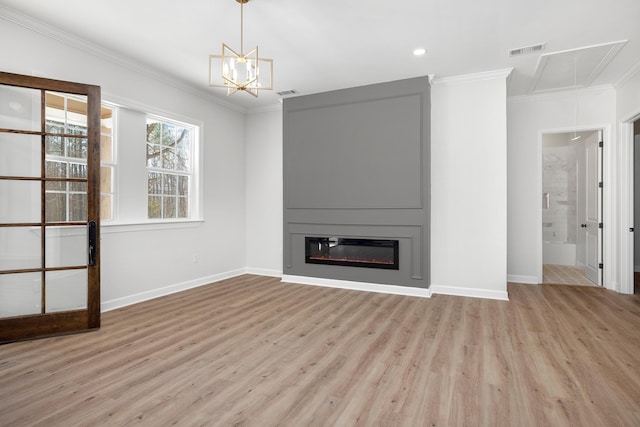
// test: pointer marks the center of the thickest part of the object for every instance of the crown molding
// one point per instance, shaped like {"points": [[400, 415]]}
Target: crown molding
{"points": [[559, 94], [471, 78], [633, 72], [265, 108], [108, 55]]}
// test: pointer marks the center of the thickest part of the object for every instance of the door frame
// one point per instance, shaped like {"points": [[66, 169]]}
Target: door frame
{"points": [[64, 322], [606, 243], [627, 196]]}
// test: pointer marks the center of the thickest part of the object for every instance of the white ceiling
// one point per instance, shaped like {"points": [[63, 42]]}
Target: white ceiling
{"points": [[321, 45]]}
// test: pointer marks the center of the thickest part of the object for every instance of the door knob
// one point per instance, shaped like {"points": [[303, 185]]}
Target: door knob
{"points": [[583, 225]]}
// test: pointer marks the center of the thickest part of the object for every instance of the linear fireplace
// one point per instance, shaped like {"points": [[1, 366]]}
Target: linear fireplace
{"points": [[370, 253]]}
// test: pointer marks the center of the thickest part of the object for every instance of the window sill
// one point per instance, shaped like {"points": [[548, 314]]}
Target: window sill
{"points": [[108, 227]]}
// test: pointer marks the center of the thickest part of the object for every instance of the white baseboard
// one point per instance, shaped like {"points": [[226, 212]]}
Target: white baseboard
{"points": [[264, 272], [358, 286], [314, 281], [168, 290], [469, 292], [530, 280]]}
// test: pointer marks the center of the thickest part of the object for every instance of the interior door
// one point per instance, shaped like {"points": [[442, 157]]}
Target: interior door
{"points": [[49, 207], [593, 199]]}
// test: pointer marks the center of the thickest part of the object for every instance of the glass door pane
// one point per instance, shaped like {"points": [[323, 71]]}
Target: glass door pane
{"points": [[20, 109], [20, 294], [24, 205], [20, 248], [19, 155], [66, 246], [66, 290]]}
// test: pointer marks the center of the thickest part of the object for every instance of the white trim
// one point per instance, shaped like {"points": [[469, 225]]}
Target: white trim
{"points": [[529, 280], [358, 286], [303, 280], [264, 272], [469, 292], [265, 108], [149, 109], [471, 78], [628, 75], [625, 283], [108, 227], [559, 94], [608, 177], [540, 239], [625, 170], [168, 290]]}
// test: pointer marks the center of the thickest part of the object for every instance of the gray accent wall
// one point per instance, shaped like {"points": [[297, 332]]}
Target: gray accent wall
{"points": [[357, 164]]}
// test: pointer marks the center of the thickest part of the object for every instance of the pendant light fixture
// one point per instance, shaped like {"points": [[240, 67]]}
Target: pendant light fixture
{"points": [[240, 71]]}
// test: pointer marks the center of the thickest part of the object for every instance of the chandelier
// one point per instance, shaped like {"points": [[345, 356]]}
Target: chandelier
{"points": [[240, 71]]}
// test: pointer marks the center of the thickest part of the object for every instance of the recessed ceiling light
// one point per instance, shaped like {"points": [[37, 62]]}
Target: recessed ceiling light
{"points": [[419, 52]]}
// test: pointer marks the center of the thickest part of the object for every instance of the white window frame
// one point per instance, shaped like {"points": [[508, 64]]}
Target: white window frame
{"points": [[194, 173], [113, 164]]}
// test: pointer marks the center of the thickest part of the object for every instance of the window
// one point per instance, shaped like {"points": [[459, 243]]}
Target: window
{"points": [[66, 157], [107, 163], [170, 154]]}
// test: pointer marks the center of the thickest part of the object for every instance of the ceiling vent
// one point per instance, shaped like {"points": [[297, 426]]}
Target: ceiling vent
{"points": [[287, 92], [527, 50]]}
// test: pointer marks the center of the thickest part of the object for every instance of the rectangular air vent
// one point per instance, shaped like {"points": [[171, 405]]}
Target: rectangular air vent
{"points": [[287, 92], [527, 50]]}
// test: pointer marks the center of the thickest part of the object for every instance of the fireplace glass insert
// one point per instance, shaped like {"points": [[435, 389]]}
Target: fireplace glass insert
{"points": [[370, 253]]}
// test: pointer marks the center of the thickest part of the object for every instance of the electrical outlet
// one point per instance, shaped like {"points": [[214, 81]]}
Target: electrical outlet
{"points": [[196, 258]]}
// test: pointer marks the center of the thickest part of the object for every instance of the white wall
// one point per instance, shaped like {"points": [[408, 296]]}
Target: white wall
{"points": [[468, 189], [528, 118], [139, 262], [469, 185], [264, 192]]}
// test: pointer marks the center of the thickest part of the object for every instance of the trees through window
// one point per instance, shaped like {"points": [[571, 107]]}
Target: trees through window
{"points": [[66, 158], [169, 169]]}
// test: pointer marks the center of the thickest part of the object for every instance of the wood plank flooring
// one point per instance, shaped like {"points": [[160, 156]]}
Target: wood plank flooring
{"points": [[252, 351]]}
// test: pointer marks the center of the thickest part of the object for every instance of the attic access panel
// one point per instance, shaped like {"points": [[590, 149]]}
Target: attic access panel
{"points": [[556, 70]]}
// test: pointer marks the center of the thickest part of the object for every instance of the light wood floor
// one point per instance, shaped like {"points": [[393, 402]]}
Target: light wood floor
{"points": [[252, 351]]}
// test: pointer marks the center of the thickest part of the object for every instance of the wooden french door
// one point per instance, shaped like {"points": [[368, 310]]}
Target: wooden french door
{"points": [[49, 207]]}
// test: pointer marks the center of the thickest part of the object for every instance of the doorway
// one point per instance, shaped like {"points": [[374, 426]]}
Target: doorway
{"points": [[572, 208], [636, 205], [49, 215]]}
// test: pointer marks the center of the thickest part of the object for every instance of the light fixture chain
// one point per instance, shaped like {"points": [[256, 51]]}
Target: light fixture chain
{"points": [[242, 28]]}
